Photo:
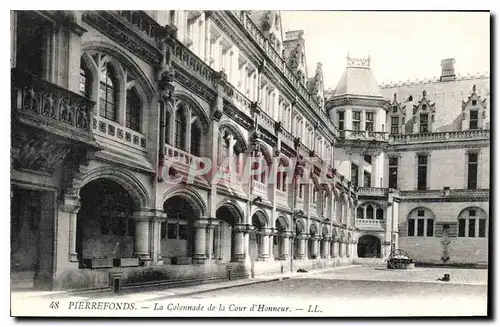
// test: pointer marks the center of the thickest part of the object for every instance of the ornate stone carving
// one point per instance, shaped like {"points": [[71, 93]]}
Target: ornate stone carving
{"points": [[358, 62], [74, 169], [41, 155], [136, 45], [196, 87]]}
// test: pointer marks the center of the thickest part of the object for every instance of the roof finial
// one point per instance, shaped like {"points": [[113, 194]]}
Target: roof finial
{"points": [[424, 93], [474, 88], [394, 97]]}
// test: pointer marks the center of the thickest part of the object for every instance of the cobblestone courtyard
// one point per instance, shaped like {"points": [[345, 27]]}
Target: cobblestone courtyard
{"points": [[350, 291]]}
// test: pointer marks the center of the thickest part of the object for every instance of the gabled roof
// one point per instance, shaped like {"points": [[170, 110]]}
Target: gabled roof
{"points": [[358, 79]]}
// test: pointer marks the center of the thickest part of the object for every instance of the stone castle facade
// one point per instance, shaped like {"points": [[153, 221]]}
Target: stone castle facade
{"points": [[109, 106]]}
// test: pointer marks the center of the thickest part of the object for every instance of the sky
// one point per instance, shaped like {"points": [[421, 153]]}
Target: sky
{"points": [[401, 45]]}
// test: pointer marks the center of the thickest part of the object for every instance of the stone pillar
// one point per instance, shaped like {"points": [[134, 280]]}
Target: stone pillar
{"points": [[210, 238], [265, 234], [200, 233], [285, 245], [302, 246], [159, 218], [239, 242], [326, 247], [314, 248], [71, 205], [142, 219]]}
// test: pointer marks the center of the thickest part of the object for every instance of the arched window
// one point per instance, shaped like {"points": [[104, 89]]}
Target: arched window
{"points": [[281, 176], [360, 213], [133, 111], [421, 223], [472, 223], [264, 165], [369, 212], [85, 80], [180, 127], [380, 214], [107, 93], [195, 139]]}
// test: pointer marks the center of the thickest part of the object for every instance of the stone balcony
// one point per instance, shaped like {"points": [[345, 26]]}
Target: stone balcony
{"points": [[480, 134], [373, 191], [364, 135], [49, 107], [370, 224]]}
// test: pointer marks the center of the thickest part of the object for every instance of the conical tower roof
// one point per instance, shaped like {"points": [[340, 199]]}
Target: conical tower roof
{"points": [[358, 80]]}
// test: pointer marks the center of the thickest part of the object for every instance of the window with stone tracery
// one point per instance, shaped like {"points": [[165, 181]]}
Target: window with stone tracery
{"points": [[133, 112], [85, 80], [108, 92], [180, 128]]}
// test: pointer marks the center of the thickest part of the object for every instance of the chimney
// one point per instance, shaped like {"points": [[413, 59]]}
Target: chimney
{"points": [[447, 70]]}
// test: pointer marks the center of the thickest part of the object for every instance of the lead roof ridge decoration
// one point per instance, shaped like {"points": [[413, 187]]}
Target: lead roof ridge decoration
{"points": [[358, 62]]}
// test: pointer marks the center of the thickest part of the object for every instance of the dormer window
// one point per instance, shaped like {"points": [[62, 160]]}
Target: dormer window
{"points": [[424, 123], [394, 125], [424, 107], [474, 102], [394, 109], [473, 122]]}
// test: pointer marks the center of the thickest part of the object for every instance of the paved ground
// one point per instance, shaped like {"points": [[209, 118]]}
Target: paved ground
{"points": [[351, 291]]}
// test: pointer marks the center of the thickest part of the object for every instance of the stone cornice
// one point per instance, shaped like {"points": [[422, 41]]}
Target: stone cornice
{"points": [[447, 195], [469, 144], [110, 25], [354, 100], [193, 84]]}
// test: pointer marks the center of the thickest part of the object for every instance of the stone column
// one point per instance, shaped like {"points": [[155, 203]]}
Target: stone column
{"points": [[265, 234], [200, 233], [326, 247], [142, 219], [316, 246], [159, 218], [210, 237], [71, 205], [302, 246], [239, 242], [285, 245]]}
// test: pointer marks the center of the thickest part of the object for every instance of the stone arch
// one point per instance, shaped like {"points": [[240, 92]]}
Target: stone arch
{"points": [[299, 227], [126, 60], [195, 106], [313, 229], [324, 231], [191, 196], [342, 236], [233, 207], [334, 233], [236, 131], [261, 217], [126, 179], [282, 222], [374, 234], [369, 245], [414, 210], [480, 210]]}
